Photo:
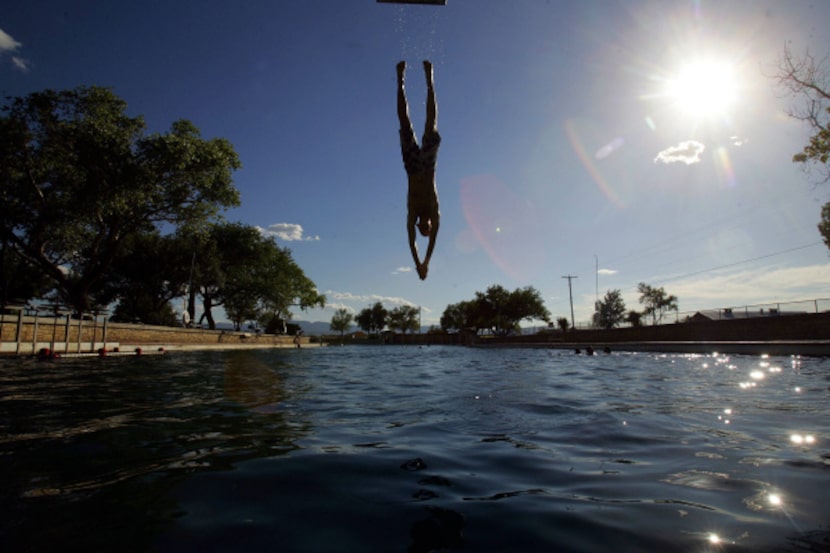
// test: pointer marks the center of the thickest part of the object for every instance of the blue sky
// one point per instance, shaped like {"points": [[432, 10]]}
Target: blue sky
{"points": [[571, 139]]}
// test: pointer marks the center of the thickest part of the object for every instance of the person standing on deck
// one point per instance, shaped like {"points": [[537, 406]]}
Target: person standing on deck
{"points": [[419, 162]]}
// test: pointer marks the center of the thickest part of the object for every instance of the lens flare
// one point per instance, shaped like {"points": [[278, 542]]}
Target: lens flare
{"points": [[725, 168], [510, 229], [578, 145]]}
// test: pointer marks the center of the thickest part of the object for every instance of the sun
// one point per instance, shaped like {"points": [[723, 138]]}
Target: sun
{"points": [[703, 89]]}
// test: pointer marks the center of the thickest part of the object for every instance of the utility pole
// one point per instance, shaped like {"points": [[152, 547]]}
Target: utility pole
{"points": [[571, 294]]}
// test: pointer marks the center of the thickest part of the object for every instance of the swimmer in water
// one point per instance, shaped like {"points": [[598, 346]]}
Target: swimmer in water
{"points": [[419, 162]]}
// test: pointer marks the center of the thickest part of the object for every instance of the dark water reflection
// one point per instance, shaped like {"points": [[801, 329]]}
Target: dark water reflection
{"points": [[415, 449]]}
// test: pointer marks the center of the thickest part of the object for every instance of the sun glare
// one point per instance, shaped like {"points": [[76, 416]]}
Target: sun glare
{"points": [[703, 89]]}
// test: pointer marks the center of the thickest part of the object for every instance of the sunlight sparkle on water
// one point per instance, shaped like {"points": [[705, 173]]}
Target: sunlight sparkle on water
{"points": [[775, 500], [803, 439]]}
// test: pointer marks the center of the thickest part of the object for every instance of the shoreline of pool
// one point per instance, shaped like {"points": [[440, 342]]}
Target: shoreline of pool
{"points": [[817, 348]]}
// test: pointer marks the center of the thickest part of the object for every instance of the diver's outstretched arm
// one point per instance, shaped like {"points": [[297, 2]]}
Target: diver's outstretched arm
{"points": [[413, 246], [424, 267]]}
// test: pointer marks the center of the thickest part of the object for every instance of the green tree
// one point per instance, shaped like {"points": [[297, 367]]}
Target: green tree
{"points": [[286, 285], [563, 323], [380, 316], [656, 302], [460, 316], [404, 318], [496, 310], [80, 176], [364, 320], [610, 310], [502, 311], [149, 271], [372, 319], [225, 252], [250, 276], [634, 318], [341, 321], [824, 225], [526, 304], [807, 80], [20, 281]]}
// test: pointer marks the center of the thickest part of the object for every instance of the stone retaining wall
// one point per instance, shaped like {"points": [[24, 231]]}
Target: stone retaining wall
{"points": [[71, 331]]}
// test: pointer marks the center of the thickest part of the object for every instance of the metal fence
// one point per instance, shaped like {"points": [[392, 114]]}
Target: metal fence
{"points": [[770, 309]]}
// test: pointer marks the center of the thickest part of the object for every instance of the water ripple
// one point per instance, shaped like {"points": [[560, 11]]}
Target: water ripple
{"points": [[406, 448]]}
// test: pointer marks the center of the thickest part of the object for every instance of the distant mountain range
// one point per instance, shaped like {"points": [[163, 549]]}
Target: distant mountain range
{"points": [[317, 328]]}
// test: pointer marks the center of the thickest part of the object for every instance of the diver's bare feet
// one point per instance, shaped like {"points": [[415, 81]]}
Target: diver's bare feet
{"points": [[428, 69], [401, 68], [422, 271]]}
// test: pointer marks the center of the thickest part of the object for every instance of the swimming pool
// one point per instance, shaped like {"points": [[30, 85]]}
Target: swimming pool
{"points": [[402, 448]]}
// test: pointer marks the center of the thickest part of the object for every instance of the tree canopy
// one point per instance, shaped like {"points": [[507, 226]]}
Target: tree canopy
{"points": [[86, 195], [372, 319], [248, 274], [341, 321], [404, 318], [80, 176], [656, 302], [496, 310], [807, 80], [610, 311], [149, 271]]}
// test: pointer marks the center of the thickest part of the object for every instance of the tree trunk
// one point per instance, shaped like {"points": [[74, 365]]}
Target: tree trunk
{"points": [[207, 304], [191, 303]]}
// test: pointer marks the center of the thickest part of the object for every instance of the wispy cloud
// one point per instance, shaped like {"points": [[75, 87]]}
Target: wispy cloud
{"points": [[21, 64], [335, 306], [753, 287], [607, 272], [290, 232], [687, 152], [9, 44], [364, 300], [401, 270]]}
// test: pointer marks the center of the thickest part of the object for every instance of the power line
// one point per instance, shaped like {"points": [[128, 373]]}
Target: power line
{"points": [[727, 266]]}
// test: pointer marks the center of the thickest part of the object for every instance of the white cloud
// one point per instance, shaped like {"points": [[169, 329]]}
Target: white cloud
{"points": [[753, 287], [290, 232], [21, 64], [366, 300], [738, 141], [7, 43], [687, 152], [401, 270], [607, 271], [335, 306]]}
